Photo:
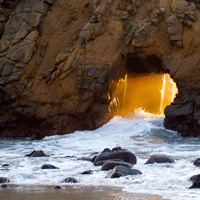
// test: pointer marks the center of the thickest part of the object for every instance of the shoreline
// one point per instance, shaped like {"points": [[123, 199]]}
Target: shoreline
{"points": [[71, 192]]}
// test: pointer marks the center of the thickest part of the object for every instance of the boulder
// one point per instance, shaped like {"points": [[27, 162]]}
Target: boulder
{"points": [[196, 181], [197, 162], [3, 186], [159, 159], [48, 166], [195, 178], [5, 165], [70, 180], [57, 187], [110, 164], [39, 153], [4, 180], [124, 155], [119, 171]]}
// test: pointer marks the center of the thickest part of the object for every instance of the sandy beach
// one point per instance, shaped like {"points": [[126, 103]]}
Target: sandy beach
{"points": [[40, 192]]}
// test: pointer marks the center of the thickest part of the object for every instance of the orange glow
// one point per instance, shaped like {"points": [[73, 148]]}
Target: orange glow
{"points": [[151, 92]]}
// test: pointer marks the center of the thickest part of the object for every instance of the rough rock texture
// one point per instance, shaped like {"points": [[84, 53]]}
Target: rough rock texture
{"points": [[60, 61]]}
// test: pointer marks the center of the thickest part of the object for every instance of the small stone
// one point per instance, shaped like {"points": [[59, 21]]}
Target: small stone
{"points": [[159, 159], [4, 180], [87, 172], [57, 187], [39, 153], [48, 166], [4, 186], [5, 165], [197, 162], [70, 180]]}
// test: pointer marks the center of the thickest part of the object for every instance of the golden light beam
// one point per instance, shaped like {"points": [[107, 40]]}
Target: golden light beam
{"points": [[151, 92]]}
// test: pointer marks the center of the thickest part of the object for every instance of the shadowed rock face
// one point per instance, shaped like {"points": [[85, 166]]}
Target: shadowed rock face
{"points": [[60, 61]]}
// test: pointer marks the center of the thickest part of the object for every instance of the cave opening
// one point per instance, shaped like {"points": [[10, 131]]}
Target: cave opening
{"points": [[146, 84]]}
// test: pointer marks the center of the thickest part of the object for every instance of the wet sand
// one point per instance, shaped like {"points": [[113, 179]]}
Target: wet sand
{"points": [[24, 192]]}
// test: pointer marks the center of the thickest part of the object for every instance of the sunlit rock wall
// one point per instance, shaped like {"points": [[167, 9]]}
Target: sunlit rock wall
{"points": [[60, 61]]}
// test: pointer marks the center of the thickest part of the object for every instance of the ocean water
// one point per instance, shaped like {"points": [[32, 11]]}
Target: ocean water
{"points": [[139, 132]]}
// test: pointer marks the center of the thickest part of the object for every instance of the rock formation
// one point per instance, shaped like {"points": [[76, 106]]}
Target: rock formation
{"points": [[60, 61]]}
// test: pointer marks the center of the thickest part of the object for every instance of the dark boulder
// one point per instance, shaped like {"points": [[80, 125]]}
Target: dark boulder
{"points": [[57, 187], [4, 180], [87, 172], [110, 164], [70, 180], [195, 178], [39, 153], [124, 155], [119, 171], [5, 165], [159, 159], [197, 162], [196, 181], [3, 186], [48, 166]]}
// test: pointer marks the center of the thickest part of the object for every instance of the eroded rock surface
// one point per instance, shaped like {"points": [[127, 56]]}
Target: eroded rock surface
{"points": [[60, 61]]}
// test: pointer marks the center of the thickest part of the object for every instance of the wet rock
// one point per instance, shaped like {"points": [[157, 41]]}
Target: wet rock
{"points": [[196, 181], [119, 171], [70, 180], [3, 186], [4, 180], [111, 164], [57, 187], [124, 155], [197, 162], [87, 172], [5, 165], [159, 159], [195, 178], [48, 166], [39, 153]]}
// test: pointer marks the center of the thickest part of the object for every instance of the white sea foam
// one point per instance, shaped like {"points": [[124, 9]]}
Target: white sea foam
{"points": [[140, 132]]}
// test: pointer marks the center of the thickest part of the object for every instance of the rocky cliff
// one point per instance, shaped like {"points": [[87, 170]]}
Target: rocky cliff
{"points": [[60, 61]]}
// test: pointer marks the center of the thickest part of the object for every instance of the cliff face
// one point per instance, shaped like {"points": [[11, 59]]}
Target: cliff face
{"points": [[60, 61]]}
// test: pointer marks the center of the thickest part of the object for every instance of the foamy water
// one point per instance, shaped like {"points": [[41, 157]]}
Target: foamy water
{"points": [[140, 133]]}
